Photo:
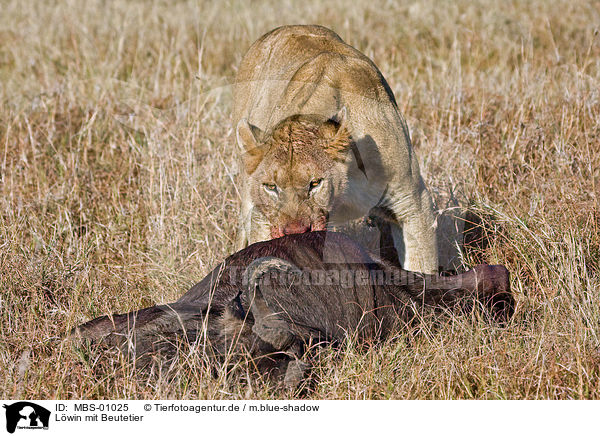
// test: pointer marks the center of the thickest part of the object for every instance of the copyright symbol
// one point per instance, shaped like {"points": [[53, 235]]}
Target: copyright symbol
{"points": [[147, 407]]}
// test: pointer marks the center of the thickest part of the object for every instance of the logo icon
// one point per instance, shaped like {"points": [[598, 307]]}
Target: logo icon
{"points": [[26, 415]]}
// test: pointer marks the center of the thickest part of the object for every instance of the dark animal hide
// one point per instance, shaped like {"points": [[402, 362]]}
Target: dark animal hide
{"points": [[274, 297]]}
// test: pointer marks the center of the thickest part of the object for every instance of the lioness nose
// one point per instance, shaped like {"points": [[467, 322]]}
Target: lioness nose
{"points": [[295, 227]]}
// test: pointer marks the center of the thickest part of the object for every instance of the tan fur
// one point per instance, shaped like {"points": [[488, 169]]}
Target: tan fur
{"points": [[324, 143]]}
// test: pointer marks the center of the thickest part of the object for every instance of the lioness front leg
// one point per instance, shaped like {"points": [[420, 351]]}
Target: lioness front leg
{"points": [[253, 227], [241, 241], [416, 243]]}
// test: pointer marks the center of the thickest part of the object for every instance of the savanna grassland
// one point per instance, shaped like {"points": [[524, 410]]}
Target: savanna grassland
{"points": [[118, 185]]}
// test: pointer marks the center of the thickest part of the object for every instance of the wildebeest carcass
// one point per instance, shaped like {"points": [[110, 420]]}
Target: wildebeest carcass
{"points": [[272, 298]]}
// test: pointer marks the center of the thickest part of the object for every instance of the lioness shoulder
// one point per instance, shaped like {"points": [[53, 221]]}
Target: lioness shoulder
{"points": [[323, 143]]}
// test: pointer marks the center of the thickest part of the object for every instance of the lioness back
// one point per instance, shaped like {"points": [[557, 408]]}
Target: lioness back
{"points": [[324, 143], [291, 57]]}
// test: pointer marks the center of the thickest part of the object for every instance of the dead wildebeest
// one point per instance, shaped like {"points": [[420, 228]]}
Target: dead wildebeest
{"points": [[274, 297]]}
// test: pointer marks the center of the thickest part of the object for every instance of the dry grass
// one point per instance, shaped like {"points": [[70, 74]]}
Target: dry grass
{"points": [[117, 171]]}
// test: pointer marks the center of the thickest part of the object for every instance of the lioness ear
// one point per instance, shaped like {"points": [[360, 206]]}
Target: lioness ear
{"points": [[246, 135], [341, 116], [338, 135]]}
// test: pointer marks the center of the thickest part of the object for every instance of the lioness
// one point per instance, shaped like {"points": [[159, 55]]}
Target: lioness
{"points": [[324, 143]]}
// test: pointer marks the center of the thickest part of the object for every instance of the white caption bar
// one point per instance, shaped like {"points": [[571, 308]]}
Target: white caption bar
{"points": [[108, 418]]}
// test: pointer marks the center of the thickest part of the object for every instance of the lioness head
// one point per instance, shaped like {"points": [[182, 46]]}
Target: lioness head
{"points": [[296, 170]]}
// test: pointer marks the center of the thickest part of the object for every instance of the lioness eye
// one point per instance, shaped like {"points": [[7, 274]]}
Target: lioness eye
{"points": [[271, 187], [314, 184]]}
